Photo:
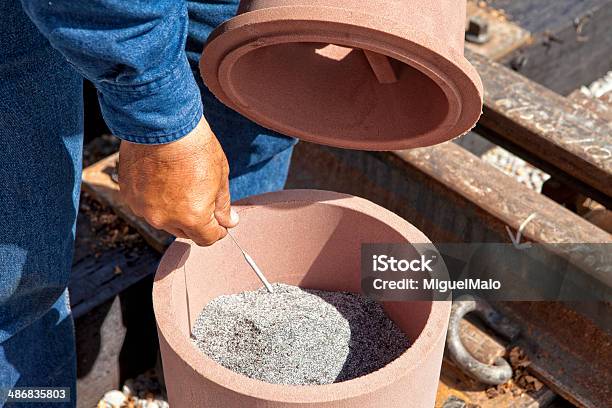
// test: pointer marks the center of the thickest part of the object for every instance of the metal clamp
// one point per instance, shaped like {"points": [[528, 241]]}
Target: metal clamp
{"points": [[498, 373]]}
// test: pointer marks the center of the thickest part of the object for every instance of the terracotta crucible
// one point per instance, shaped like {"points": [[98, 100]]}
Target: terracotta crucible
{"points": [[360, 74], [302, 237]]}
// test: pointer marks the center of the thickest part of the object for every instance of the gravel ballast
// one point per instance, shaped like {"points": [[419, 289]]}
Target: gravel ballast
{"points": [[298, 336]]}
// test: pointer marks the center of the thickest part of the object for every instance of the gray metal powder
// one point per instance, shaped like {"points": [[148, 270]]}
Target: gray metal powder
{"points": [[298, 336]]}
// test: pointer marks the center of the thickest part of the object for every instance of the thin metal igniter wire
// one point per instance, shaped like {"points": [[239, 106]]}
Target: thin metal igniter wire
{"points": [[187, 300], [252, 264]]}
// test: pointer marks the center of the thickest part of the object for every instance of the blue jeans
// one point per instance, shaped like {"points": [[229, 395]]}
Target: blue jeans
{"points": [[41, 136]]}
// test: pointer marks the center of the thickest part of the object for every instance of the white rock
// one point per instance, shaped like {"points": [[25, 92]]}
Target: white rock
{"points": [[142, 403], [114, 398]]}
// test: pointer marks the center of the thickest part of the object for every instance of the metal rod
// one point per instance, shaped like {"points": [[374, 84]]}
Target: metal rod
{"points": [[187, 300], [252, 264]]}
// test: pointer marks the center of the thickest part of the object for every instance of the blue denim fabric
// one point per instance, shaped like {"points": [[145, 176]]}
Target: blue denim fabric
{"points": [[133, 52], [40, 167], [250, 143], [42, 354]]}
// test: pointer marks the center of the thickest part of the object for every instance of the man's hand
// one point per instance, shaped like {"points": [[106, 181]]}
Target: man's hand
{"points": [[181, 187]]}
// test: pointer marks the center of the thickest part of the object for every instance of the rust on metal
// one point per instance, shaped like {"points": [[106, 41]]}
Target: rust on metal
{"points": [[546, 125], [494, 374], [601, 106], [568, 352], [456, 388]]}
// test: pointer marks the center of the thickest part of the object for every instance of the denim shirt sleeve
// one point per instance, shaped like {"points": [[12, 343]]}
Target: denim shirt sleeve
{"points": [[134, 53]]}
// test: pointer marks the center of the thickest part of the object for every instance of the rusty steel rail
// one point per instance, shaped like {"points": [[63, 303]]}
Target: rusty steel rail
{"points": [[555, 134], [568, 352]]}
